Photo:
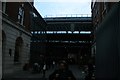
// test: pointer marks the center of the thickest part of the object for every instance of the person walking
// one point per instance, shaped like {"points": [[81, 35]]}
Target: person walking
{"points": [[44, 70], [53, 64], [63, 73], [35, 68]]}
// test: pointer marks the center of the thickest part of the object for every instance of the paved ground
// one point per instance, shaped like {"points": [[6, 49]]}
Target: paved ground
{"points": [[78, 73], [27, 75]]}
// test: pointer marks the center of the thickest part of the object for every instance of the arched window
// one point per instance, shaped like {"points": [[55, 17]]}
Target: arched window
{"points": [[18, 49]]}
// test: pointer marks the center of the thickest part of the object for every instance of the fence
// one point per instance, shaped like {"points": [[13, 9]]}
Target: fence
{"points": [[68, 15]]}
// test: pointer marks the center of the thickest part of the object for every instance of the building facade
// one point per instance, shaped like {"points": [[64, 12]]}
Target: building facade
{"points": [[106, 19], [99, 11], [16, 36], [38, 45]]}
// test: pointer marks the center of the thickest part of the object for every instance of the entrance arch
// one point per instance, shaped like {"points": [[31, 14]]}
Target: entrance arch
{"points": [[18, 49]]}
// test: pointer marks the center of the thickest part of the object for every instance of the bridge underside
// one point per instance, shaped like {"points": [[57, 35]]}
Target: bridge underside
{"points": [[65, 38]]}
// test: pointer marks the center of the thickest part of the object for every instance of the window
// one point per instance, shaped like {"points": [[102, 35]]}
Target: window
{"points": [[69, 32], [10, 52], [76, 32], [85, 32], [34, 15], [21, 14], [3, 7], [38, 32]]}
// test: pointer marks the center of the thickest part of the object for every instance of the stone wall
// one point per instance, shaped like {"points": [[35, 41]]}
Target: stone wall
{"points": [[13, 31]]}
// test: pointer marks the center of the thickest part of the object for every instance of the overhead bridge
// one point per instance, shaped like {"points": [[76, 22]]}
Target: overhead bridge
{"points": [[63, 36], [69, 24], [66, 35]]}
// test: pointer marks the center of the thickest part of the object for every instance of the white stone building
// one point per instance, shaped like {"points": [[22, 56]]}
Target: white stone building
{"points": [[16, 36]]}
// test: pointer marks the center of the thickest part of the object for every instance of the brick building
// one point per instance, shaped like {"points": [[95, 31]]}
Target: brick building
{"points": [[99, 11], [16, 36], [106, 19]]}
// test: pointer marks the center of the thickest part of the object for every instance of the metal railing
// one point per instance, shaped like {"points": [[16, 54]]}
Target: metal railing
{"points": [[68, 15]]}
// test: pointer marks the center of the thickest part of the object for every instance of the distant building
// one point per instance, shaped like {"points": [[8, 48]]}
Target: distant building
{"points": [[16, 36]]}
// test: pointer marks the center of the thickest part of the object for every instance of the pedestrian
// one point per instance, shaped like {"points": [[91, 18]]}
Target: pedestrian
{"points": [[35, 68], [89, 70], [53, 64], [63, 73], [26, 67], [44, 70]]}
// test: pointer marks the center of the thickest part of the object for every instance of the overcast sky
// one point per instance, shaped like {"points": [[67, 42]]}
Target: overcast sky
{"points": [[62, 7]]}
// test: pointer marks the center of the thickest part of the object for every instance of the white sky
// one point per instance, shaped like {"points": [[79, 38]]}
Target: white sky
{"points": [[58, 7]]}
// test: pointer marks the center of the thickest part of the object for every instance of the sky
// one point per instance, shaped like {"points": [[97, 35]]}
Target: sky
{"points": [[62, 7]]}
